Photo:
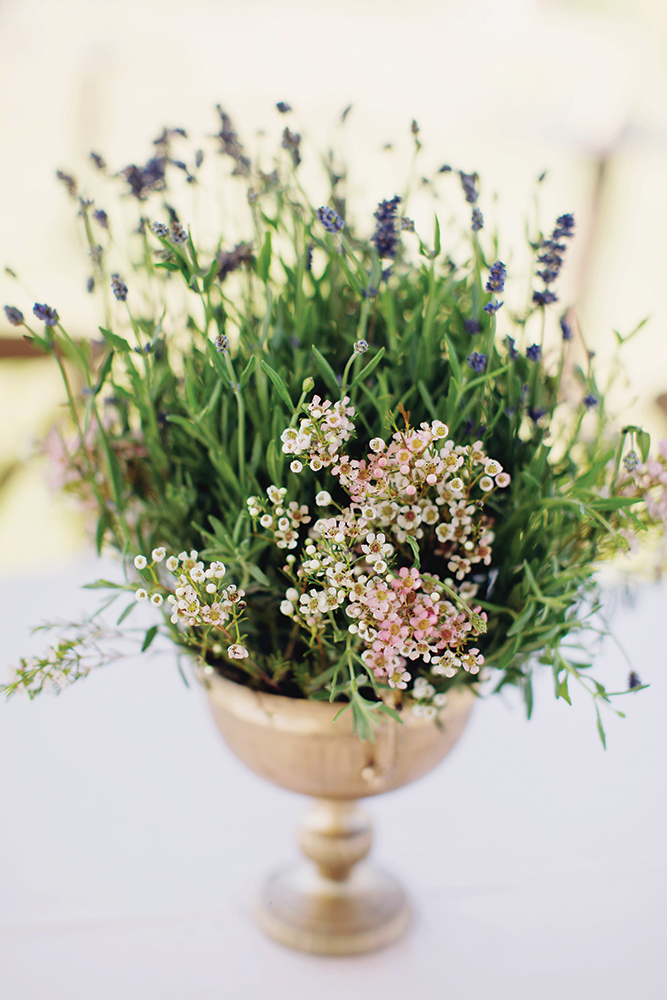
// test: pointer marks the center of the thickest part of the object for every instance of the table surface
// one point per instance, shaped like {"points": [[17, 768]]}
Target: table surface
{"points": [[132, 843]]}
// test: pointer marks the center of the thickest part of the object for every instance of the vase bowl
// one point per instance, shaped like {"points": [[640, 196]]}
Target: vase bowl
{"points": [[335, 903]]}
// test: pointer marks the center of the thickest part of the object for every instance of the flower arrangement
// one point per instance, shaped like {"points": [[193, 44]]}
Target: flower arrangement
{"points": [[360, 475]]}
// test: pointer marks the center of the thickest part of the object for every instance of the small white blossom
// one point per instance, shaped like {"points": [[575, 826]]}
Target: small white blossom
{"points": [[157, 555], [287, 608], [266, 521], [486, 483], [140, 562], [211, 588], [172, 564], [237, 652], [156, 599], [323, 498], [141, 594], [296, 465]]}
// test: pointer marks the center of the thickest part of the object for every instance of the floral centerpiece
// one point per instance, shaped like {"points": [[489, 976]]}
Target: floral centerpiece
{"points": [[328, 454]]}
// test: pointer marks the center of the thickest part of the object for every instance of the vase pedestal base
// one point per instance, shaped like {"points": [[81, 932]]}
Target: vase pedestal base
{"points": [[303, 910]]}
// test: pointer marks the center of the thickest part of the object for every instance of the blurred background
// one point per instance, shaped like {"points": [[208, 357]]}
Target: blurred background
{"points": [[509, 88]]}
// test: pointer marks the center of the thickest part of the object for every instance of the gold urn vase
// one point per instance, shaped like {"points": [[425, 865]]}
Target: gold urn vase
{"points": [[333, 903]]}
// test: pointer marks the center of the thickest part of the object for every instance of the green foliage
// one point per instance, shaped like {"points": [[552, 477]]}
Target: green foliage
{"points": [[197, 410]]}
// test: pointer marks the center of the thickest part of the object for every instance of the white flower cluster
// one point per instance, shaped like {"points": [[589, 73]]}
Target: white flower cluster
{"points": [[321, 434], [282, 520], [198, 600]]}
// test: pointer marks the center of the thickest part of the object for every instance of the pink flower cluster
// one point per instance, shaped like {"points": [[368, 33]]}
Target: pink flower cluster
{"points": [[650, 479], [417, 487]]}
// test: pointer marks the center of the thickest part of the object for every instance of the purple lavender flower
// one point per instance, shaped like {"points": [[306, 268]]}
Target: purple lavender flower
{"points": [[385, 237], [221, 343], [534, 352], [178, 234], [90, 285], [14, 315], [476, 361], [369, 293], [590, 401], [143, 180], [361, 346], [536, 414], [330, 219], [469, 185], [545, 298], [512, 352], [199, 158], [492, 307], [160, 229], [231, 145], [69, 183], [445, 169], [119, 288], [283, 107], [472, 326], [551, 258], [101, 218], [309, 257], [566, 328], [291, 141], [98, 161], [564, 227], [497, 275], [633, 680], [631, 461], [46, 313], [477, 222], [407, 225]]}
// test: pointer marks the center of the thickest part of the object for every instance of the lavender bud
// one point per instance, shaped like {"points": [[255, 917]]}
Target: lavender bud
{"points": [[46, 313], [330, 219], [160, 230], [221, 343], [361, 347], [119, 288], [476, 361], [178, 234], [14, 315]]}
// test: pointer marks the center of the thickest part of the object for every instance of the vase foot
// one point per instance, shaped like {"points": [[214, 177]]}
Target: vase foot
{"points": [[302, 910]]}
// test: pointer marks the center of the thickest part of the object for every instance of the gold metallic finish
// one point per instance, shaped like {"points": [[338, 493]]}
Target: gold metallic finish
{"points": [[335, 903]]}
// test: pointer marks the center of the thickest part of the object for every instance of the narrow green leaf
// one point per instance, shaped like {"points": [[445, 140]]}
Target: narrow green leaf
{"points": [[412, 542], [280, 386], [104, 371], [126, 612], [327, 371], [211, 275], [388, 710], [264, 259], [601, 728], [148, 638], [644, 442], [102, 585], [118, 343], [247, 371], [365, 372], [257, 573]]}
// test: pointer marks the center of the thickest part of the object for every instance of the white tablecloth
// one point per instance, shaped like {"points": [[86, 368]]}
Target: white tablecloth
{"points": [[132, 842]]}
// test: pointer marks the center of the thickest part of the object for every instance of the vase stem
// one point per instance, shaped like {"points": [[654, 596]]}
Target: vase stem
{"points": [[335, 834]]}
